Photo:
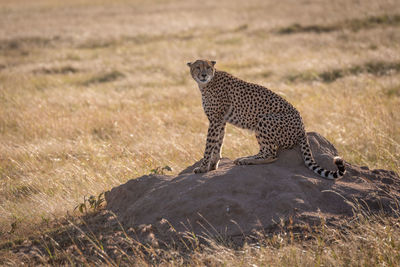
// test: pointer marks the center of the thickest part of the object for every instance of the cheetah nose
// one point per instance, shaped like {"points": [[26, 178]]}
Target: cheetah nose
{"points": [[204, 75]]}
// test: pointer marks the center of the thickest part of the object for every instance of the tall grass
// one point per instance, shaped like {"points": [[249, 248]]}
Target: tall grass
{"points": [[367, 240]]}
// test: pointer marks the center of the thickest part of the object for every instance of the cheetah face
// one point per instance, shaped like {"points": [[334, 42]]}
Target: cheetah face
{"points": [[202, 71]]}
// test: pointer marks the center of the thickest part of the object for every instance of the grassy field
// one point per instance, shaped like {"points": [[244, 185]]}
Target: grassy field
{"points": [[94, 93]]}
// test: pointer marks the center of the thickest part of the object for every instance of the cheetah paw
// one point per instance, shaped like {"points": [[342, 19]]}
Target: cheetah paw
{"points": [[242, 161], [199, 170], [254, 161]]}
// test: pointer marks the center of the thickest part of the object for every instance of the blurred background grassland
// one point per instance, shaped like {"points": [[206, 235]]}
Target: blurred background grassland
{"points": [[94, 93]]}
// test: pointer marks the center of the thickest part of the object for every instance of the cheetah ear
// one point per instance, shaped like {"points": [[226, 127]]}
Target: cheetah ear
{"points": [[213, 62], [189, 64]]}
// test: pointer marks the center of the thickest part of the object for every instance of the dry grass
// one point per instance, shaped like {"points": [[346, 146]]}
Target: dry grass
{"points": [[93, 93], [367, 240]]}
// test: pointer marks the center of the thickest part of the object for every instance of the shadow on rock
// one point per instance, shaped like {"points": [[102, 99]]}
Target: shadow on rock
{"points": [[235, 200]]}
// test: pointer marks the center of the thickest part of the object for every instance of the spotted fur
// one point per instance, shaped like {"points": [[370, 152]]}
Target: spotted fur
{"points": [[276, 123]]}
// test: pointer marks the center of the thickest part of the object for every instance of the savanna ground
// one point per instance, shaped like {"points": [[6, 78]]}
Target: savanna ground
{"points": [[94, 93]]}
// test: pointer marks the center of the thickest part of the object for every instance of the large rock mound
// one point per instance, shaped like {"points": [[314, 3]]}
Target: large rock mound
{"points": [[238, 199]]}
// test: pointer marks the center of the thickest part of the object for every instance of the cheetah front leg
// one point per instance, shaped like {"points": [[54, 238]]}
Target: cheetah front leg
{"points": [[216, 154], [215, 137]]}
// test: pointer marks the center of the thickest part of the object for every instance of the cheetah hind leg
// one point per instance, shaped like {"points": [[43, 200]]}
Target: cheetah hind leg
{"points": [[267, 154], [255, 160]]}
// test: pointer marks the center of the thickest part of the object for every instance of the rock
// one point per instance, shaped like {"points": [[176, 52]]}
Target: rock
{"points": [[238, 199]]}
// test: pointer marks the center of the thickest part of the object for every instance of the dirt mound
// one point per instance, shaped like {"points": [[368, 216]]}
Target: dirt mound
{"points": [[236, 199]]}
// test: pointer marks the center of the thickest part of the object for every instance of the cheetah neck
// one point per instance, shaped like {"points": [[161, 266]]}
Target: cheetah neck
{"points": [[202, 86]]}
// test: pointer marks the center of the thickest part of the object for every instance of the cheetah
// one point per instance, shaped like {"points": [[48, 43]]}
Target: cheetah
{"points": [[276, 123]]}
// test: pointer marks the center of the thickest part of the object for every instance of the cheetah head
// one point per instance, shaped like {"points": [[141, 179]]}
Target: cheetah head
{"points": [[202, 71]]}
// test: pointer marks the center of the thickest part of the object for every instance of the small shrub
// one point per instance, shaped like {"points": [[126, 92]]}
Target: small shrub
{"points": [[161, 170], [91, 203], [105, 77], [57, 70], [378, 68], [353, 25]]}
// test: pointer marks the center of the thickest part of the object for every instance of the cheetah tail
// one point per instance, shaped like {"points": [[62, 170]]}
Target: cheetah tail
{"points": [[312, 165]]}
